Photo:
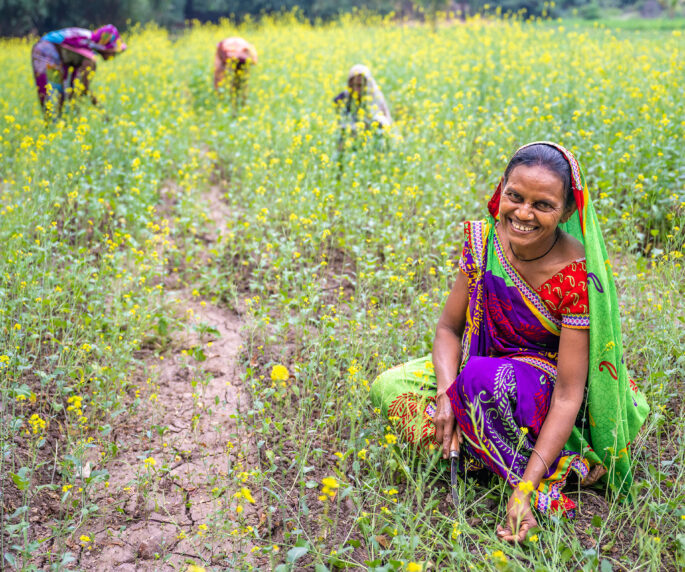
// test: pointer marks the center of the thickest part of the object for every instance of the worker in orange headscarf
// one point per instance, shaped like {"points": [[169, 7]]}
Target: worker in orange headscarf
{"points": [[235, 56]]}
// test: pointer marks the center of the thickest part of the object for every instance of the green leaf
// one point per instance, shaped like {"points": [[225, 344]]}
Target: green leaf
{"points": [[68, 558], [21, 510], [198, 353], [162, 327], [565, 553], [296, 553], [204, 328], [22, 479]]}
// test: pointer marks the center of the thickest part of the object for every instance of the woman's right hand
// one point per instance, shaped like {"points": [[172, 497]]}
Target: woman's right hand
{"points": [[446, 428], [446, 359]]}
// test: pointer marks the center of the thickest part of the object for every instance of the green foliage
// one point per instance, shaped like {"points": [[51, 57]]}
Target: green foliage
{"points": [[325, 9], [671, 6], [20, 17], [590, 11]]}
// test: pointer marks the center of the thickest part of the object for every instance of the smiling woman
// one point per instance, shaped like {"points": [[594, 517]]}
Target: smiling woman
{"points": [[517, 380]]}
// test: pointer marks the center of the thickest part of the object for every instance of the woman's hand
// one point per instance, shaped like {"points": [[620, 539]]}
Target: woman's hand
{"points": [[447, 431], [520, 518], [446, 359]]}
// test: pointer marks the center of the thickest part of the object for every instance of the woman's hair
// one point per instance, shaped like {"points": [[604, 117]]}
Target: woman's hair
{"points": [[544, 156]]}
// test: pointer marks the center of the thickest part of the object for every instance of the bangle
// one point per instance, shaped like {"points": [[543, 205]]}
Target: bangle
{"points": [[543, 461]]}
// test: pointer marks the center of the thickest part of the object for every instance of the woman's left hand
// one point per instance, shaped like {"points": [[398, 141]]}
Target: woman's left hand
{"points": [[520, 518]]}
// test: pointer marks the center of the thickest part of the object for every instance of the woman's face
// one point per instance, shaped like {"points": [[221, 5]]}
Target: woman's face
{"points": [[356, 84], [531, 208]]}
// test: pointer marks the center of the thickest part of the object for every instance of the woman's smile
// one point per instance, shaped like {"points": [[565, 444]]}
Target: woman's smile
{"points": [[513, 345], [522, 227]]}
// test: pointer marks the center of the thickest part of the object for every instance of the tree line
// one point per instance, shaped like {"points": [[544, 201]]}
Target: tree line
{"points": [[22, 17]]}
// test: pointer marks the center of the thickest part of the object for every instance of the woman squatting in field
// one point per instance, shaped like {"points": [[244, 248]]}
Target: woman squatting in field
{"points": [[527, 378], [361, 107]]}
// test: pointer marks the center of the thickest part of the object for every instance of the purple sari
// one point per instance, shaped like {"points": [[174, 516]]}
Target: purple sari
{"points": [[502, 393]]}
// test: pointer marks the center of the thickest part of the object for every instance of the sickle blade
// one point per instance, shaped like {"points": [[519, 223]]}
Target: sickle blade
{"points": [[454, 470]]}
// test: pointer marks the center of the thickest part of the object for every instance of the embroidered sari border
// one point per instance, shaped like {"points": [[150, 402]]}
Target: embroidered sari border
{"points": [[576, 321], [476, 233], [539, 363]]}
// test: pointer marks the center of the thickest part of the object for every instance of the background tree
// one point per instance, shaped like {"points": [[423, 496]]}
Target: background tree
{"points": [[21, 17], [671, 6], [431, 8]]}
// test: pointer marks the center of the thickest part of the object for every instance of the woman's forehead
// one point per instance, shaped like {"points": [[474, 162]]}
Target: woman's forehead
{"points": [[535, 178]]}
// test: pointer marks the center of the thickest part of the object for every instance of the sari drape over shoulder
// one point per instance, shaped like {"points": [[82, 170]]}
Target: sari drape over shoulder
{"points": [[61, 57], [370, 109], [615, 408]]}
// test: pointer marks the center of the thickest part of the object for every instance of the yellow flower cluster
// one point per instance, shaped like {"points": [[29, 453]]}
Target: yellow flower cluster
{"points": [[37, 424], [243, 493], [329, 487], [74, 404], [526, 487], [279, 373]]}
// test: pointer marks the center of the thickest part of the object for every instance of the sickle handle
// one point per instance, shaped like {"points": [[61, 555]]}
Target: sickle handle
{"points": [[454, 445]]}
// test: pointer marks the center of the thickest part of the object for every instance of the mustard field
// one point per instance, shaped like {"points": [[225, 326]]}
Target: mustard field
{"points": [[122, 223]]}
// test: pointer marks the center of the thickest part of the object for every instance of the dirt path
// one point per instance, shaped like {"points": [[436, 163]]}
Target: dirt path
{"points": [[176, 482]]}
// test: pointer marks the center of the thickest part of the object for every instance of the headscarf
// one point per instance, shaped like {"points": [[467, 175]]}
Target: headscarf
{"points": [[236, 49], [378, 108], [108, 39], [616, 408]]}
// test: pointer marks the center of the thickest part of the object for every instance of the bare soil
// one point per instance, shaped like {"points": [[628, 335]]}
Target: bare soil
{"points": [[151, 515], [170, 477]]}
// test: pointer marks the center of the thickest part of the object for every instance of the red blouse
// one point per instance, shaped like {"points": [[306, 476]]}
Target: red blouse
{"points": [[565, 295]]}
